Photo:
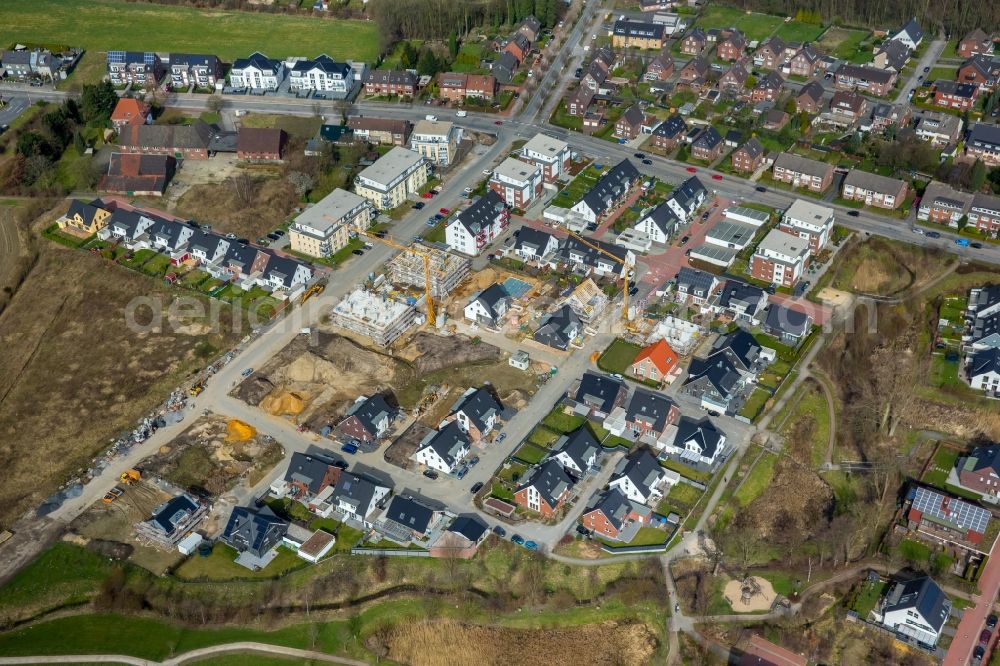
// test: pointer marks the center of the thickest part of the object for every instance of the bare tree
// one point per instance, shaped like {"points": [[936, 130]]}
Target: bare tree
{"points": [[245, 189], [214, 103]]}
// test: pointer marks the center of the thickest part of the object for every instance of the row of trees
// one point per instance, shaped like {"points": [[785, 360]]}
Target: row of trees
{"points": [[955, 17]]}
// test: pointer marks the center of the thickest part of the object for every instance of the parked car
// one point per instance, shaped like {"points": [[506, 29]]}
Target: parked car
{"points": [[853, 213], [977, 245], [247, 372], [716, 176], [418, 205], [462, 471], [531, 545], [978, 654], [279, 233], [467, 190], [640, 156], [517, 538], [443, 211], [691, 170], [430, 474], [963, 242], [714, 413], [933, 234], [476, 487], [502, 436], [499, 531], [349, 448], [926, 69], [633, 291], [685, 239], [473, 461], [991, 622], [438, 217], [582, 531], [647, 162], [760, 188], [357, 253], [273, 236], [431, 222], [498, 122]]}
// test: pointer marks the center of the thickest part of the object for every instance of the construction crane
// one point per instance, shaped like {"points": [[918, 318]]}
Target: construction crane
{"points": [[428, 287], [624, 262]]}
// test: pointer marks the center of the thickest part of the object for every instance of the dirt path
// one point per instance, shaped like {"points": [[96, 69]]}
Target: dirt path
{"points": [[199, 654], [822, 380]]}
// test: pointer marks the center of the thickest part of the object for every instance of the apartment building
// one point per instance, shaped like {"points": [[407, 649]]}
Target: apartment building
{"points": [[552, 155], [390, 82], [955, 95], [637, 35], [436, 140], [779, 259], [984, 214], [392, 178], [873, 189], [471, 230], [518, 183], [940, 129], [878, 82], [323, 74], [188, 69], [943, 204], [257, 73], [324, 228], [139, 69], [984, 144], [809, 221], [803, 172]]}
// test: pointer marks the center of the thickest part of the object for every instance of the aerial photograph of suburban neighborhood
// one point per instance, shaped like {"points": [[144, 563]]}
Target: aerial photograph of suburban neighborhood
{"points": [[500, 332]]}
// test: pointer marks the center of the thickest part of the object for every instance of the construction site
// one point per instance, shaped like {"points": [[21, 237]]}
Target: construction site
{"points": [[376, 313], [447, 270]]}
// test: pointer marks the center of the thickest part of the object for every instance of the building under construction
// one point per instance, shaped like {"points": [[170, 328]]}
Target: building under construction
{"points": [[447, 270], [374, 315]]}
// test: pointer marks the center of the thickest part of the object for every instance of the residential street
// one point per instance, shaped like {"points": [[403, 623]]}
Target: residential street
{"points": [[930, 57]]}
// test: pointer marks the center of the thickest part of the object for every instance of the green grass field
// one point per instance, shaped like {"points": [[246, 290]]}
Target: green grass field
{"points": [[846, 44], [220, 565], [618, 356], [104, 25], [794, 31], [756, 483], [754, 26]]}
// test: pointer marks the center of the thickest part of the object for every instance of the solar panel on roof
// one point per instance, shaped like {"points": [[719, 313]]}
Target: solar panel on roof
{"points": [[965, 515]]}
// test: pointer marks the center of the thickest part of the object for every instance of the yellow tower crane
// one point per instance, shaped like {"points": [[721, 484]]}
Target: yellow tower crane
{"points": [[624, 262], [428, 287]]}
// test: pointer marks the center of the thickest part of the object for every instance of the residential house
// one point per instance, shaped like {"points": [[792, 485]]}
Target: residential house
{"points": [[596, 395], [742, 301], [655, 362], [848, 106], [578, 452], [640, 477], [308, 475], [984, 214], [368, 419], [323, 74], [768, 87], [392, 178], [981, 70], [138, 69], [983, 319], [406, 519], [983, 143], [979, 471], [552, 155], [803, 172], [708, 146], [910, 35], [436, 140], [24, 63], [885, 115], [324, 228], [138, 175], [534, 246], [695, 73], [356, 498], [668, 133], [659, 224], [531, 28], [260, 144], [630, 123], [383, 131], [390, 82], [697, 441], [789, 326], [954, 95], [172, 520], [805, 62], [610, 190], [916, 609], [637, 35], [810, 98], [943, 204], [646, 418], [659, 68], [85, 218], [749, 157], [596, 74], [544, 489], [476, 412], [732, 46], [462, 538], [503, 68], [189, 141], [947, 519], [734, 79], [579, 102], [469, 231], [258, 73], [489, 306], [518, 46], [696, 285], [770, 54], [129, 111], [452, 85], [874, 190], [780, 258], [687, 198], [940, 129], [694, 42], [975, 42], [200, 71], [559, 329], [613, 516], [892, 55], [444, 449], [481, 87], [254, 533], [775, 120], [878, 82], [718, 379], [762, 652], [810, 221]]}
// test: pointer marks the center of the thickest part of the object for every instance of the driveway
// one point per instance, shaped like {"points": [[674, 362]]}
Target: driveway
{"points": [[929, 58], [967, 634], [664, 266]]}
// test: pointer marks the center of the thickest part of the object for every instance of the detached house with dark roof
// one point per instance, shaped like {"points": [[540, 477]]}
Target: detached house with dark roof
{"points": [[981, 70], [545, 488], [697, 441], [668, 133], [469, 231], [694, 42], [355, 498], [731, 47], [489, 306], [254, 533], [660, 68], [742, 301], [613, 516], [640, 478], [696, 285], [695, 73], [476, 412], [596, 395], [559, 329], [749, 157], [630, 124], [910, 35], [85, 218], [975, 42], [979, 471], [307, 476], [406, 519], [768, 88], [535, 246], [444, 449], [810, 98], [770, 54], [578, 452], [645, 418], [368, 419], [610, 190], [983, 370], [708, 145], [718, 380], [789, 326], [917, 609]]}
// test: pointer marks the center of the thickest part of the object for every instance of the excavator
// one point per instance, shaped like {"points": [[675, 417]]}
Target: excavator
{"points": [[129, 477]]}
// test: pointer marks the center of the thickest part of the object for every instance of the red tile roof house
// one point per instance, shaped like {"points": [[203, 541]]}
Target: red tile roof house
{"points": [[613, 516], [138, 175], [654, 362], [544, 489], [190, 141], [481, 86], [768, 88], [748, 157], [630, 123], [953, 95], [660, 69], [732, 47], [130, 111], [810, 98], [975, 43], [260, 144], [518, 46], [451, 86], [877, 82]]}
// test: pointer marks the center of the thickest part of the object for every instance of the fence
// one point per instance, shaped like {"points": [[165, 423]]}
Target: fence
{"points": [[633, 550], [390, 552]]}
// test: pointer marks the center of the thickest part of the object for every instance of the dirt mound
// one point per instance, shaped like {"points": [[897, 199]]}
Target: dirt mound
{"points": [[447, 643], [431, 353], [795, 506], [238, 431], [255, 389], [284, 402]]}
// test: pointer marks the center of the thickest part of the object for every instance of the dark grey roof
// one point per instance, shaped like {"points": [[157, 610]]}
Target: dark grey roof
{"points": [[478, 406], [639, 29], [555, 328], [986, 457], [799, 164], [258, 60], [611, 186], [614, 506], [664, 217], [633, 115], [325, 63], [447, 442], [533, 238], [482, 213], [786, 320], [771, 81], [740, 346], [589, 256], [702, 431], [984, 361], [717, 370], [753, 148], [698, 34], [737, 291], [173, 511], [354, 490], [922, 595], [649, 407], [86, 211], [641, 467], [492, 296], [194, 60], [409, 513], [985, 135], [896, 54], [603, 389], [471, 527], [504, 67], [391, 77], [866, 73], [698, 65], [254, 530], [549, 479], [813, 90], [371, 411], [671, 127], [308, 470], [579, 445], [956, 89], [691, 193], [708, 139], [913, 29], [697, 282]]}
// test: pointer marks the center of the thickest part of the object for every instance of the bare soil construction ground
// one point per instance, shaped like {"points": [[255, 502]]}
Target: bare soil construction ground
{"points": [[74, 375], [448, 643], [403, 447], [885, 268], [272, 201]]}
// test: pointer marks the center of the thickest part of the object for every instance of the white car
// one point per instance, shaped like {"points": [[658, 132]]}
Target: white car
{"points": [[487, 172], [461, 114], [467, 190], [430, 117]]}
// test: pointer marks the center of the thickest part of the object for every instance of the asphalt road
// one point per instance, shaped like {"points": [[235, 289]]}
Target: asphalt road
{"points": [[928, 59], [13, 108]]}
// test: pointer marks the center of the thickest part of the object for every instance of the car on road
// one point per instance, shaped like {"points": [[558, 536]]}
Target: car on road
{"points": [[430, 474], [461, 114], [705, 215], [476, 487], [499, 531], [991, 622], [502, 436], [917, 230], [633, 291], [273, 236], [926, 69], [419, 205], [279, 233], [962, 242], [933, 234], [716, 176], [349, 448], [691, 170], [427, 195], [685, 239], [531, 545], [582, 531], [517, 538], [713, 413], [978, 654], [984, 637], [498, 122], [431, 222], [640, 156], [473, 461], [247, 372], [443, 211], [978, 246], [467, 190], [357, 253], [853, 213], [578, 73], [461, 472], [760, 188]]}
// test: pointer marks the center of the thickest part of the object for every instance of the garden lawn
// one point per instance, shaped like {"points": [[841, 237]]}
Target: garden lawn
{"points": [[755, 26], [618, 356], [105, 25], [868, 597], [220, 565], [648, 536], [561, 422], [937, 471], [845, 44], [795, 31], [530, 454], [755, 404]]}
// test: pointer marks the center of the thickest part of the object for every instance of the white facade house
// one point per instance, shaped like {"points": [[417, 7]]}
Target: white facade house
{"points": [[917, 609], [436, 140], [322, 75], [640, 477], [392, 178], [809, 221], [696, 441], [518, 182], [324, 228], [471, 230], [443, 450], [258, 72], [552, 155], [780, 258]]}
